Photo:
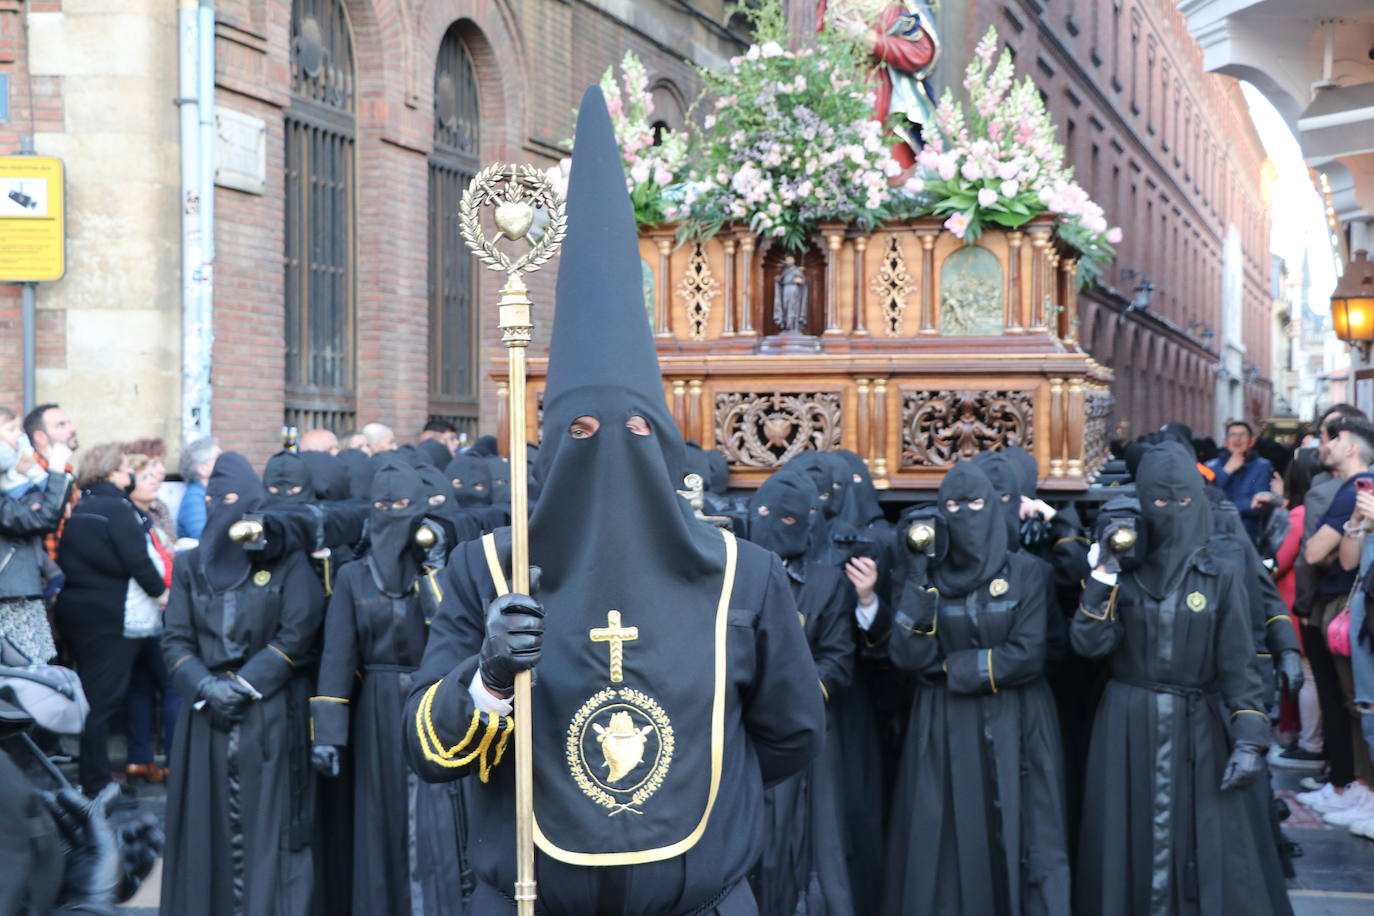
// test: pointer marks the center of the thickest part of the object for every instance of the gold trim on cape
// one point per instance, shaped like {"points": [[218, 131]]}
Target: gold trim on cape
{"points": [[717, 727]]}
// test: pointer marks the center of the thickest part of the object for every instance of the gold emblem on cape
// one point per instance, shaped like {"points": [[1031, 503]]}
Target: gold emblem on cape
{"points": [[998, 588], [262, 577], [619, 749], [1197, 601]]}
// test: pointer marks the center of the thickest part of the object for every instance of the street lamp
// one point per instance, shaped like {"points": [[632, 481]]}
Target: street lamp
{"points": [[1352, 304]]}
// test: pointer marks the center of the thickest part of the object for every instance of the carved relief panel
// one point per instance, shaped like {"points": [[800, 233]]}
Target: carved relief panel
{"points": [[940, 427], [765, 429]]}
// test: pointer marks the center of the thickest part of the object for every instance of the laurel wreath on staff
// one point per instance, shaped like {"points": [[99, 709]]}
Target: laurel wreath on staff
{"points": [[526, 186]]}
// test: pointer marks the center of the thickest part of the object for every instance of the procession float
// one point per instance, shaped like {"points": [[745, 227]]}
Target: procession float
{"points": [[833, 259]]}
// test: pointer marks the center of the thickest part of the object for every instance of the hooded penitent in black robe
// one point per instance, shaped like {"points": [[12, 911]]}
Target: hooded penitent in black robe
{"points": [[287, 480], [240, 802], [407, 833], [869, 714], [470, 477], [978, 820], [674, 678], [1158, 834], [803, 865]]}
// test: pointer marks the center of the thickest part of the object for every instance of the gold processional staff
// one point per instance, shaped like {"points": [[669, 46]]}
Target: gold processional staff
{"points": [[516, 194]]}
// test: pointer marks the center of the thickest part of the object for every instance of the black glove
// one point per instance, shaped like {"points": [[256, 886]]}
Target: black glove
{"points": [[325, 759], [515, 637], [1290, 670], [226, 700], [89, 849], [140, 844], [1244, 766]]}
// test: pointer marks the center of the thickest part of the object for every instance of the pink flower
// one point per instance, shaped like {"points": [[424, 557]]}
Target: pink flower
{"points": [[914, 185], [928, 158], [987, 197], [947, 168], [958, 224], [771, 49], [1114, 235], [1007, 170], [1010, 188], [971, 171]]}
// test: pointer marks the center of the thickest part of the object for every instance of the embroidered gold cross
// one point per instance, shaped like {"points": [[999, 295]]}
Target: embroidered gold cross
{"points": [[617, 636]]}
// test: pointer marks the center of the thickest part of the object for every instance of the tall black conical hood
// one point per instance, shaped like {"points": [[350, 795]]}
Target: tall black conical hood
{"points": [[602, 363], [601, 333]]}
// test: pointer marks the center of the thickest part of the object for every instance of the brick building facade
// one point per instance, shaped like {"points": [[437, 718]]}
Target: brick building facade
{"points": [[334, 283]]}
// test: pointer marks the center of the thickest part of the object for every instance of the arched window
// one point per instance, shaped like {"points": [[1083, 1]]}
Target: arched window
{"points": [[320, 191], [453, 332]]}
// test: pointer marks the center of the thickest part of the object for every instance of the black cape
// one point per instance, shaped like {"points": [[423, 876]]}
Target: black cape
{"points": [[408, 835], [240, 804]]}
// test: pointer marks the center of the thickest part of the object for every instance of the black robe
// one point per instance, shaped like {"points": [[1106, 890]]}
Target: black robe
{"points": [[240, 804], [774, 725], [1158, 834], [803, 865], [406, 832], [978, 823]]}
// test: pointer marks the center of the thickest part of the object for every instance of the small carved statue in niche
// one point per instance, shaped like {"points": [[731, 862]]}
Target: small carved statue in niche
{"points": [[790, 297]]}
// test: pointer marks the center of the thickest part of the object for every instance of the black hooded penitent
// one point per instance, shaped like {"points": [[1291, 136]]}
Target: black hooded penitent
{"points": [[1006, 480], [224, 562], [435, 452], [609, 531], [470, 477], [328, 475], [1175, 511], [977, 537], [394, 560], [287, 480], [780, 498]]}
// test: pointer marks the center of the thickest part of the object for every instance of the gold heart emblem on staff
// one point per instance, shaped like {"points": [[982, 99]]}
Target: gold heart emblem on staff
{"points": [[514, 219]]}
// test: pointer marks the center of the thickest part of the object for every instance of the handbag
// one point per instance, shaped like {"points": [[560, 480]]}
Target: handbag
{"points": [[142, 613], [1338, 630], [50, 694]]}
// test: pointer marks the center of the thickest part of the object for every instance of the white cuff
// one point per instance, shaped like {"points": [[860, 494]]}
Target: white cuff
{"points": [[1105, 578], [485, 700], [864, 613]]}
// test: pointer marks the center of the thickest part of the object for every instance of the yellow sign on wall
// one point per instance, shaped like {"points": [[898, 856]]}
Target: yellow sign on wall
{"points": [[33, 232]]}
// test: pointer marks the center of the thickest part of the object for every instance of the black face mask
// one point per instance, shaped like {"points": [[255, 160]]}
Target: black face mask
{"points": [[1026, 467], [394, 558], [224, 563], [360, 470], [1007, 484], [287, 480], [977, 537], [470, 479], [1178, 527], [818, 467], [435, 453], [328, 475], [500, 482], [860, 507], [433, 485], [781, 498]]}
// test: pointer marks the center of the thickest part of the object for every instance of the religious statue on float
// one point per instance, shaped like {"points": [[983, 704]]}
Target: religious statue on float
{"points": [[905, 47]]}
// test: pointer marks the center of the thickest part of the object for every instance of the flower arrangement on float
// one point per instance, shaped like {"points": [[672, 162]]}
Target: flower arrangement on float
{"points": [[788, 141], [994, 160]]}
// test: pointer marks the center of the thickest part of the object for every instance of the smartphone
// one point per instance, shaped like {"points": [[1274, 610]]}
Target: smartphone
{"points": [[1364, 484]]}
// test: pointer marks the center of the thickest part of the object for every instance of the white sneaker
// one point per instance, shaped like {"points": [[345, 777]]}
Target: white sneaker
{"points": [[1363, 808], [1364, 828], [1318, 799]]}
